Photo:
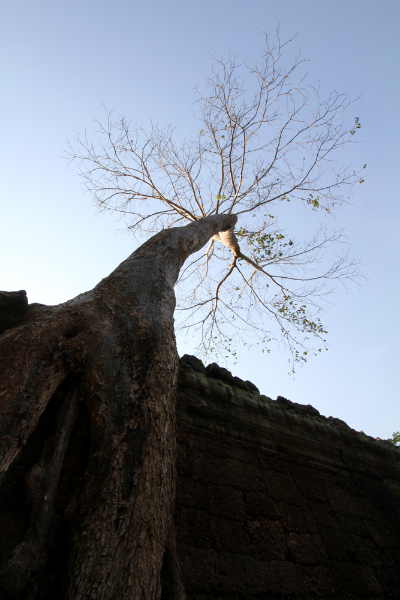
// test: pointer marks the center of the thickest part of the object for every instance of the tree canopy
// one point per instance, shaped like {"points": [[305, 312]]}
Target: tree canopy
{"points": [[263, 138]]}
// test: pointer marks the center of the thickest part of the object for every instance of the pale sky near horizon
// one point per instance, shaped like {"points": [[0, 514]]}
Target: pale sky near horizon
{"points": [[60, 61]]}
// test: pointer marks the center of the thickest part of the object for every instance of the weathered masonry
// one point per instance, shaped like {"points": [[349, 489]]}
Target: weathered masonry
{"points": [[276, 501]]}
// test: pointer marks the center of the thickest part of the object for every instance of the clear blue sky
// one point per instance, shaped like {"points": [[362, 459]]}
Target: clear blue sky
{"points": [[62, 59]]}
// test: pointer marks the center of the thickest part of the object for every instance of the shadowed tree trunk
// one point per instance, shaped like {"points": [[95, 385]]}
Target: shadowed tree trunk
{"points": [[108, 359]]}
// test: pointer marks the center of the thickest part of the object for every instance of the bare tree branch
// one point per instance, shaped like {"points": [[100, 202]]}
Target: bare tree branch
{"points": [[265, 138]]}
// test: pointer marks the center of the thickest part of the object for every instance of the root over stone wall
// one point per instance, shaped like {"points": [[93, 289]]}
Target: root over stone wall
{"points": [[273, 500]]}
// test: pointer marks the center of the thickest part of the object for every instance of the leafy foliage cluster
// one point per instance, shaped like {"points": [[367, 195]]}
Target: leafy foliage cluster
{"points": [[395, 439]]}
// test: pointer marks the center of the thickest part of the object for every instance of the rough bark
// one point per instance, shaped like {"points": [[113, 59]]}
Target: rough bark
{"points": [[109, 354]]}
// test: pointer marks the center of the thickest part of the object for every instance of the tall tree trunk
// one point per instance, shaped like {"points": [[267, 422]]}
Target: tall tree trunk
{"points": [[111, 353]]}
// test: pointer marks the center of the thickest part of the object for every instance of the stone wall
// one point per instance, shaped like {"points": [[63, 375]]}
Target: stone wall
{"points": [[276, 501]]}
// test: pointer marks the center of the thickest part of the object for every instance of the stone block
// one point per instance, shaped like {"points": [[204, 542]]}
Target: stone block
{"points": [[229, 536], [356, 581], [282, 488], [194, 527], [13, 306], [191, 494], [298, 520], [225, 471], [306, 549], [232, 573], [226, 502], [259, 504], [199, 568], [267, 540]]}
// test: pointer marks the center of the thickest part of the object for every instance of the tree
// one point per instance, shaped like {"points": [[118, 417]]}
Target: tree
{"points": [[272, 142], [103, 366], [107, 360]]}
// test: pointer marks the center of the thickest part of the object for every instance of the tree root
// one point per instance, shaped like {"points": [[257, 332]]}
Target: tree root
{"points": [[24, 566], [172, 586]]}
